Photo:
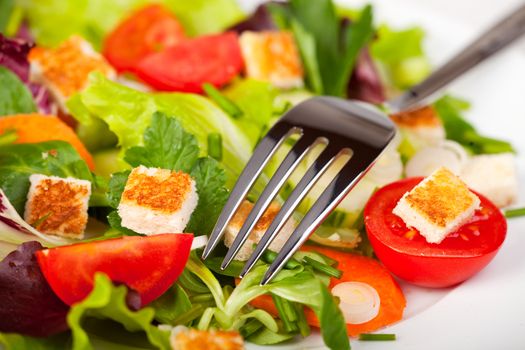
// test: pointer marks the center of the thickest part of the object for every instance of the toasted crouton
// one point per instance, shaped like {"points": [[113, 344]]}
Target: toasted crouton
{"points": [[192, 339], [423, 123], [58, 206], [494, 176], [272, 56], [255, 236], [438, 205], [157, 201], [65, 69]]}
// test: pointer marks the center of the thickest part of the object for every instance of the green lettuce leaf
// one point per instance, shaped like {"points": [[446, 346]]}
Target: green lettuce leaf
{"points": [[13, 341], [15, 97], [19, 161], [168, 146], [129, 118], [200, 17], [457, 128], [401, 54], [107, 301]]}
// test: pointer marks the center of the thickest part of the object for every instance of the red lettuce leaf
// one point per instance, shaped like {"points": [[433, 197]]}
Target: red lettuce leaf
{"points": [[365, 83], [28, 305]]}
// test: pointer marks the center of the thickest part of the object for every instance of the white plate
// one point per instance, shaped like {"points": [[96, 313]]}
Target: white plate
{"points": [[487, 311]]}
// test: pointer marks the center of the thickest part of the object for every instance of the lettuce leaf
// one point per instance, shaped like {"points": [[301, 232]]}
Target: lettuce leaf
{"points": [[19, 161], [107, 301], [129, 118], [15, 97], [401, 54], [168, 146], [200, 17]]}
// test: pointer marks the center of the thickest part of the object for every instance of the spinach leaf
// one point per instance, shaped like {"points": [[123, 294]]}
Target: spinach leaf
{"points": [[15, 97], [450, 111], [19, 161]]}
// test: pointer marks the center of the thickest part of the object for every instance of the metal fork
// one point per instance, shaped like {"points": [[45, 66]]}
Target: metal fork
{"points": [[344, 127]]}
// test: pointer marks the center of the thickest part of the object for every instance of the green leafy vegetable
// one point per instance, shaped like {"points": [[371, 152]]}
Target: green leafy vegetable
{"points": [[129, 119], [328, 51], [8, 137], [168, 146], [401, 54], [171, 305], [109, 302], [13, 341], [15, 98], [206, 16], [222, 101], [19, 161], [6, 7], [457, 128]]}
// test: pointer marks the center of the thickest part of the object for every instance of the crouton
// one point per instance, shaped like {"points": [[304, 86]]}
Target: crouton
{"points": [[157, 201], [272, 56], [494, 176], [65, 69], [191, 339], [58, 206], [423, 124], [438, 205], [234, 226]]}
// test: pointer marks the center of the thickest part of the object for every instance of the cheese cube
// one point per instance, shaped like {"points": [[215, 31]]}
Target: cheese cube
{"points": [[422, 125], [64, 70], [157, 201], [58, 206], [234, 226], [438, 205], [272, 56], [494, 176]]}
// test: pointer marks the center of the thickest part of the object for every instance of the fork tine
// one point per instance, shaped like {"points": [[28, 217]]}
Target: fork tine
{"points": [[261, 155], [288, 165], [309, 179], [347, 178]]}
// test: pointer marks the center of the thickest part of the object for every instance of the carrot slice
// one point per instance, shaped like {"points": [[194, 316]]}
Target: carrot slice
{"points": [[356, 268], [33, 128]]}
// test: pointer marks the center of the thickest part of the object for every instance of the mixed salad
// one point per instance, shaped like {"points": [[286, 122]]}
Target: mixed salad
{"points": [[123, 125]]}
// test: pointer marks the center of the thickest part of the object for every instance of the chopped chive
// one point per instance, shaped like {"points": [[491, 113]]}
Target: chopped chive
{"points": [[269, 257], [303, 326], [514, 213], [286, 313], [215, 145], [188, 316], [224, 102], [250, 327], [8, 137], [199, 298], [377, 337], [41, 219], [329, 260], [324, 268]]}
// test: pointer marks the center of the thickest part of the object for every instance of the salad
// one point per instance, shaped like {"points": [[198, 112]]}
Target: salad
{"points": [[123, 126]]}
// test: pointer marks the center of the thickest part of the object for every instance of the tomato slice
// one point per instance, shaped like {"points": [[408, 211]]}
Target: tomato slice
{"points": [[149, 265], [148, 30], [214, 59], [408, 255]]}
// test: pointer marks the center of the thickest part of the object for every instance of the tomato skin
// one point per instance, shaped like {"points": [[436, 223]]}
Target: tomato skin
{"points": [[214, 59], [144, 32], [458, 257], [149, 265]]}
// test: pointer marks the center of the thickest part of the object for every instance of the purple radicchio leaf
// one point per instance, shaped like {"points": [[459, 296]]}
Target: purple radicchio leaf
{"points": [[365, 83], [13, 55], [29, 306], [260, 20]]}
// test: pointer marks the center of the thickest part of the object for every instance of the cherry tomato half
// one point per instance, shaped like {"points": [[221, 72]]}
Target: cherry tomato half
{"points": [[214, 59], [149, 265], [408, 255], [148, 30]]}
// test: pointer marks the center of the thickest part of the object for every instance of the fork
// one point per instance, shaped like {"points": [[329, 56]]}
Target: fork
{"points": [[344, 127]]}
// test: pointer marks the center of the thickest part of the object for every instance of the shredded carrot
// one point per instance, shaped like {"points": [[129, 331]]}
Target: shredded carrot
{"points": [[359, 269], [33, 128]]}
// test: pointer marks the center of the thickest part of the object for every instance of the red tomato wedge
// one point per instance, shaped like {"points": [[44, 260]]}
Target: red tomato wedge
{"points": [[214, 59], [355, 268], [149, 265], [148, 30], [408, 255]]}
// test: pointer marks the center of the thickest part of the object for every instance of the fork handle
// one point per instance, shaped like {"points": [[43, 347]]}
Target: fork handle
{"points": [[493, 40]]}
